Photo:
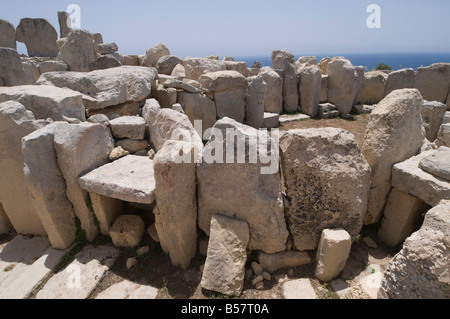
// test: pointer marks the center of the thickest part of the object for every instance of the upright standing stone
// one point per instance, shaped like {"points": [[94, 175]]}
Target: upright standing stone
{"points": [[153, 55], [433, 115], [342, 82], [47, 185], [327, 180], [65, 24], [256, 95], [199, 107], [16, 122], [324, 89], [373, 87], [39, 36], [360, 70], [274, 95], [310, 86], [224, 270], [285, 61], [79, 51], [12, 70], [175, 194], [7, 35], [433, 82], [401, 79], [107, 210], [395, 124]]}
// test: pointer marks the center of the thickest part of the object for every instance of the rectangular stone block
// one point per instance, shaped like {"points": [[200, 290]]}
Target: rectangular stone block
{"points": [[106, 209]]}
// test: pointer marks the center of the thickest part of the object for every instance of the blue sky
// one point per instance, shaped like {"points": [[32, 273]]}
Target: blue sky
{"points": [[253, 27]]}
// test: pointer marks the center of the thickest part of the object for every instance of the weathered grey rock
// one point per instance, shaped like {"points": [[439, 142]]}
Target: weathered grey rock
{"points": [[172, 125], [79, 51], [401, 79], [39, 37], [7, 35], [256, 95], [104, 62], [274, 95], [443, 137], [166, 64], [373, 87], [310, 85], [433, 115], [153, 55], [52, 66], [299, 289], [342, 82], [283, 60], [130, 60], [395, 124], [150, 111], [166, 97], [433, 82], [222, 81], [258, 200], [360, 71], [332, 254], [47, 186], [180, 85], [80, 149], [47, 102], [130, 179], [100, 119], [128, 127], [328, 111], [132, 146], [105, 88], [127, 231], [98, 38], [31, 70], [65, 24], [107, 48], [12, 71], [402, 216], [326, 176], [420, 269], [179, 71], [128, 290], [175, 192], [199, 107], [16, 122], [324, 89], [438, 164], [196, 67], [106, 210], [224, 270], [271, 120], [408, 177], [162, 78], [231, 103], [240, 67], [91, 263], [285, 259]]}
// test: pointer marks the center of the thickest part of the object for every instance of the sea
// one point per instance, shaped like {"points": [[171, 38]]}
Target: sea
{"points": [[396, 61]]}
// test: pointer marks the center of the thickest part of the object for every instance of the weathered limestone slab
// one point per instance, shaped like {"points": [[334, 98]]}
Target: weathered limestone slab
{"points": [[271, 120], [401, 79], [199, 107], [175, 192], [47, 186], [409, 178], [438, 164], [132, 146], [106, 209], [231, 103], [180, 85], [332, 254], [373, 87], [153, 55], [224, 270], [433, 82], [196, 67], [324, 89], [47, 101], [79, 51], [274, 95], [65, 24], [39, 36], [12, 70], [299, 289], [285, 259], [128, 290], [52, 66], [256, 95], [395, 124], [310, 85], [91, 264], [16, 122], [129, 127], [127, 231], [433, 116], [327, 180], [104, 88], [7, 35], [402, 215], [295, 117], [360, 71], [165, 96], [285, 61], [166, 64], [104, 62], [443, 137], [129, 179], [342, 81], [107, 48]]}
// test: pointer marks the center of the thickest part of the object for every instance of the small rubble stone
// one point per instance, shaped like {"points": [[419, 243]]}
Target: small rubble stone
{"points": [[259, 286], [143, 250], [131, 262], [267, 276], [257, 268], [257, 280], [370, 242]]}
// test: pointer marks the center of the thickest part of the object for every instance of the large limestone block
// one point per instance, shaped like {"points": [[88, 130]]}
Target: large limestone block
{"points": [[324, 89], [5, 224], [106, 210], [238, 66], [80, 149], [323, 65], [175, 192], [373, 87], [327, 180], [249, 177], [433, 82], [231, 103], [104, 88], [408, 177], [47, 185], [12, 71], [401, 79], [443, 136], [224, 270], [47, 101], [16, 122], [196, 67], [52, 66], [167, 97], [285, 61], [104, 62], [199, 107], [39, 36], [360, 71], [420, 269], [167, 63], [285, 259], [342, 81], [65, 24], [222, 80], [79, 51], [256, 95], [274, 95], [7, 35], [433, 115], [107, 48], [131, 127], [394, 134], [153, 55], [127, 231], [310, 86], [402, 215]]}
